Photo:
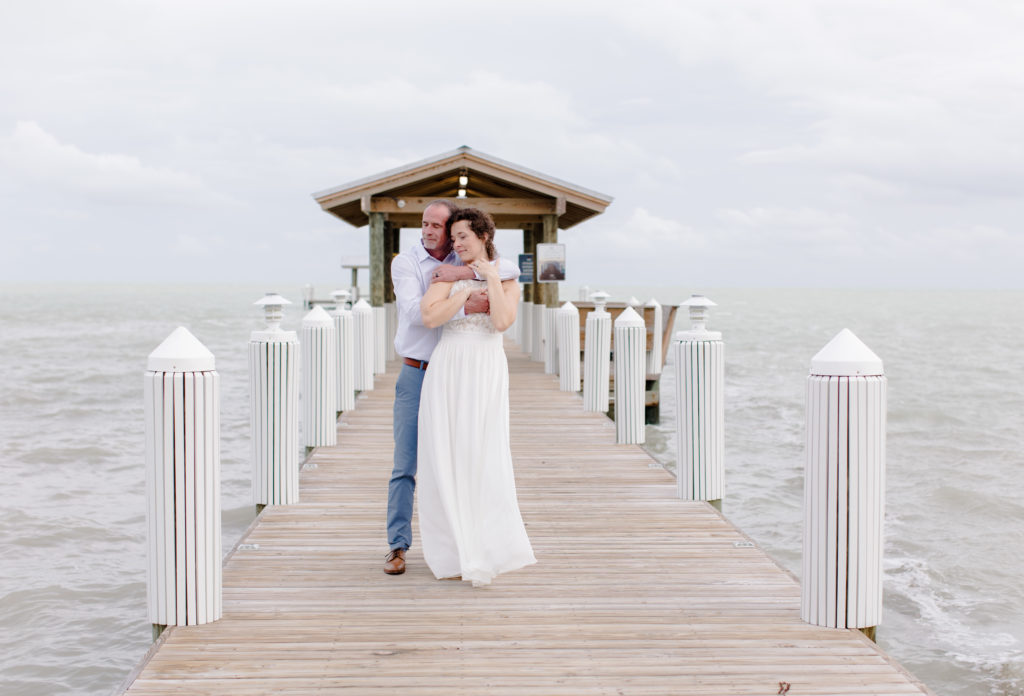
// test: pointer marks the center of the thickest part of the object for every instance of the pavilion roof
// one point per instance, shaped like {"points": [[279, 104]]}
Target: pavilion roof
{"points": [[514, 195]]}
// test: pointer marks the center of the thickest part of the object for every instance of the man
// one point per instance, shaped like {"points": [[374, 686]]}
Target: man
{"points": [[411, 273]]}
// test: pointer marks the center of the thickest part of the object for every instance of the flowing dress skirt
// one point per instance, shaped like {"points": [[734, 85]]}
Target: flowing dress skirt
{"points": [[470, 523]]}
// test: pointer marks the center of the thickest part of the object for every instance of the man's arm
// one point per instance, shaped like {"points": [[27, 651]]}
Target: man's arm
{"points": [[449, 273], [406, 281]]}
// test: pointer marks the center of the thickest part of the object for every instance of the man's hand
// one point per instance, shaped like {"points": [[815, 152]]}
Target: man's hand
{"points": [[477, 303], [447, 273]]}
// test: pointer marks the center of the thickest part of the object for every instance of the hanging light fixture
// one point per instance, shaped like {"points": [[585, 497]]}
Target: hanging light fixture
{"points": [[463, 178]]}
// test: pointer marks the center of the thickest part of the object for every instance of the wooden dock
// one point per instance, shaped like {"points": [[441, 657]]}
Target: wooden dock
{"points": [[634, 592]]}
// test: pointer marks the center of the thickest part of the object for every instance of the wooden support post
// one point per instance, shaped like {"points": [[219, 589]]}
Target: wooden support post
{"points": [[529, 247], [548, 292], [377, 259], [390, 248], [396, 246]]}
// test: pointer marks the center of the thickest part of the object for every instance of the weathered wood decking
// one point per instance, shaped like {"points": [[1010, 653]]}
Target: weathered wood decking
{"points": [[634, 592]]}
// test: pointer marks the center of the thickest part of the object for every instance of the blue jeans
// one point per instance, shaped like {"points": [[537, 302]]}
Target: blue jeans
{"points": [[403, 476]]}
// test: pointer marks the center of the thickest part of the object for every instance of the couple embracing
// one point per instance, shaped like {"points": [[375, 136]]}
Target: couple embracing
{"points": [[455, 298]]}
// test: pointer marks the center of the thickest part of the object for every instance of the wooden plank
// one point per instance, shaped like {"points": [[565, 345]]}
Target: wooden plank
{"points": [[634, 591]]}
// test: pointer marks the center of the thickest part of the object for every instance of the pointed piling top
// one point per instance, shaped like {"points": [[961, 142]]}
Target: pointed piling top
{"points": [[180, 352], [362, 306], [699, 309], [628, 317], [317, 317], [846, 356], [568, 307]]}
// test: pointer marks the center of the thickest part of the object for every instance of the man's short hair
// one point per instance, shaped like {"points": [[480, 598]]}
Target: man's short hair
{"points": [[452, 208]]}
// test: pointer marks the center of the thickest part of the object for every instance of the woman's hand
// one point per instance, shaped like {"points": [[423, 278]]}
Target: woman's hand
{"points": [[485, 270]]}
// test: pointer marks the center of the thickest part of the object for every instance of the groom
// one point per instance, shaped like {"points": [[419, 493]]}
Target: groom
{"points": [[412, 272]]}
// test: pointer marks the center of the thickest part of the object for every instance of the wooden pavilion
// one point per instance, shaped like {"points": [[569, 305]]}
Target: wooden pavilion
{"points": [[516, 197]]}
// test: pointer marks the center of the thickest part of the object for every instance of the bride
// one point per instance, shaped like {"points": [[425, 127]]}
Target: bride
{"points": [[469, 515]]}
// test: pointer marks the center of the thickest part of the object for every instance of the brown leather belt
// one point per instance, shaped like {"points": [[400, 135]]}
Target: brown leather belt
{"points": [[418, 364]]}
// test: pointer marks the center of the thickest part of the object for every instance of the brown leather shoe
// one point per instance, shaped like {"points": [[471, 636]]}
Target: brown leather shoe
{"points": [[394, 564]]}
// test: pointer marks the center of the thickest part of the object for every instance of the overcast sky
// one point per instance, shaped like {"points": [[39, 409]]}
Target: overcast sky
{"points": [[866, 143]]}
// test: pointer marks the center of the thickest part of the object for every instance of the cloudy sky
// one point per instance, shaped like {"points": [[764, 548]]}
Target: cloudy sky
{"points": [[866, 143]]}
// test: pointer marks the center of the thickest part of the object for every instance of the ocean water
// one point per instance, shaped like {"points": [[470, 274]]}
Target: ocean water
{"points": [[72, 538]]}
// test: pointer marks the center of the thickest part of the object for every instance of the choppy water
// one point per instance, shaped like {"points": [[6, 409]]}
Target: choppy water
{"points": [[72, 588]]}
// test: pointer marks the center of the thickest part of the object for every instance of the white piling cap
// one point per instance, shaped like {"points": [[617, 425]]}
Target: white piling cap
{"points": [[340, 295], [180, 352], [653, 302], [628, 318], [568, 307], [632, 301], [271, 298], [698, 306], [317, 317], [362, 306], [846, 356]]}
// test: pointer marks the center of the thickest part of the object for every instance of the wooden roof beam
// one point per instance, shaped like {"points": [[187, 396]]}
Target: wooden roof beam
{"points": [[495, 206]]}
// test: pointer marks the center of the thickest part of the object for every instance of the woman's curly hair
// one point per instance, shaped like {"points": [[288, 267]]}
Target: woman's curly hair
{"points": [[480, 222]]}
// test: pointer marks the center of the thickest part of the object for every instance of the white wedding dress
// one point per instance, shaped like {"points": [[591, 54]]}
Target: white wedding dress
{"points": [[470, 523]]}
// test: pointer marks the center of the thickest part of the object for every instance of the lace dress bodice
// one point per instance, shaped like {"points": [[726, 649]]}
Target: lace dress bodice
{"points": [[474, 323]]}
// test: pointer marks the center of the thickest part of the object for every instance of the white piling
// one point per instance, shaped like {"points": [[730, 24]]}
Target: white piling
{"points": [[700, 409], [539, 326], [513, 331], [344, 326], [584, 294], [568, 321], [630, 382], [392, 313], [654, 357], [550, 340], [184, 584], [380, 340], [362, 322], [319, 379], [844, 486], [596, 348], [274, 408], [526, 328]]}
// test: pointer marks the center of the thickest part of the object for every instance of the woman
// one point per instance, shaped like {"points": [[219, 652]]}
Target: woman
{"points": [[469, 516]]}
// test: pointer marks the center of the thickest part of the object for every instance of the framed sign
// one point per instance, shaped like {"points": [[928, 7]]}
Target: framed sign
{"points": [[526, 268], [550, 263]]}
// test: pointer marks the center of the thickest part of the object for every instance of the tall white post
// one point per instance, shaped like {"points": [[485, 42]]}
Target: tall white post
{"points": [[392, 312], [584, 292], [343, 325], [539, 326], [514, 330], [654, 357], [362, 322], [844, 486], [630, 379], [700, 407], [182, 410], [319, 379], [568, 319], [526, 328], [596, 348], [550, 340], [274, 408], [380, 340]]}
